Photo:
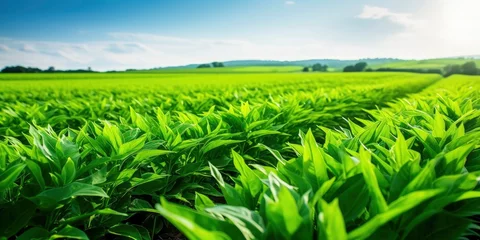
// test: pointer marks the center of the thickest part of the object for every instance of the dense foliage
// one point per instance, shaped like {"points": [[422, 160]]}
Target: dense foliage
{"points": [[358, 67], [468, 68], [259, 156]]}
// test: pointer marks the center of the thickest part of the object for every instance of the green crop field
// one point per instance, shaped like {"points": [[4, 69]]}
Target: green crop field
{"points": [[241, 153], [429, 63], [245, 69]]}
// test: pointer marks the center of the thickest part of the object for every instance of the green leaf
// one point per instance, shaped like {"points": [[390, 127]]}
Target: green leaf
{"points": [[263, 132], [139, 204], [398, 207], [70, 232], [37, 172], [438, 125], [68, 171], [196, 225], [352, 196], [105, 211], [216, 174], [113, 134], [232, 195], [455, 160], [424, 180], [9, 176], [49, 198], [132, 146], [400, 150], [218, 143], [248, 222], [287, 214], [202, 202], [250, 181], [146, 178], [330, 222], [378, 201], [149, 153], [126, 231], [274, 152], [315, 168], [143, 232]]}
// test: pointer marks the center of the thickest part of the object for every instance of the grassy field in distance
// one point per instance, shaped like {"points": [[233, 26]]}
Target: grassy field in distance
{"points": [[430, 63], [227, 69], [163, 79]]}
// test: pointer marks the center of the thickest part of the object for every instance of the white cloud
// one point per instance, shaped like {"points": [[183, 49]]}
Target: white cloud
{"points": [[443, 28], [160, 39], [4, 48], [377, 13], [290, 2], [27, 48]]}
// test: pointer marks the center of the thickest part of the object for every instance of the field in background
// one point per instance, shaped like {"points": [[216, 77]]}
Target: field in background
{"points": [[62, 99], [426, 64], [158, 80], [235, 69]]}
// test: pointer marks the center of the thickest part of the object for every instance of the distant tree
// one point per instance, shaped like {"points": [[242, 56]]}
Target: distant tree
{"points": [[360, 67], [368, 70], [469, 68], [50, 69], [317, 67], [349, 68], [452, 69], [12, 69], [204, 66], [89, 69], [305, 69], [217, 64], [20, 69]]}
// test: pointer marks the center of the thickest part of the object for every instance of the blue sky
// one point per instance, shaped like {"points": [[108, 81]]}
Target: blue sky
{"points": [[119, 34]]}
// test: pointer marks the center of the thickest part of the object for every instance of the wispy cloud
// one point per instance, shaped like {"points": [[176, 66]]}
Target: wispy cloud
{"points": [[377, 13], [27, 48], [4, 48], [126, 48], [168, 40], [289, 2]]}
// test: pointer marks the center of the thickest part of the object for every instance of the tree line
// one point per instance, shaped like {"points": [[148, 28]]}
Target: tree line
{"points": [[359, 67], [22, 69], [468, 68], [317, 67], [211, 65]]}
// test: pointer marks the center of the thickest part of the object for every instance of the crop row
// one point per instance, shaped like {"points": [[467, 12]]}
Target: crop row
{"points": [[303, 102]]}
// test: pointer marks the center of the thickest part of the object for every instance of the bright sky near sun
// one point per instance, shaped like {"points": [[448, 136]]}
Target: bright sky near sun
{"points": [[120, 34]]}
